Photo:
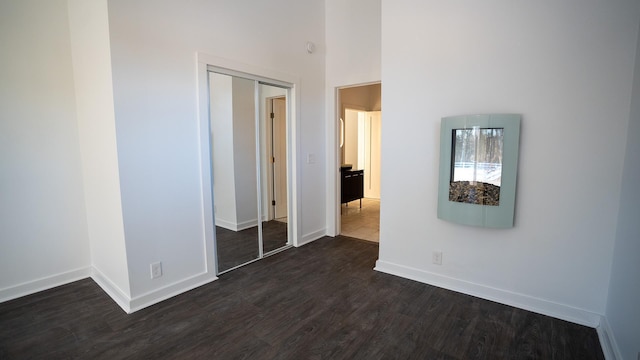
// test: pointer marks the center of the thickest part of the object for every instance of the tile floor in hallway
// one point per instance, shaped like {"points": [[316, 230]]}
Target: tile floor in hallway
{"points": [[361, 223]]}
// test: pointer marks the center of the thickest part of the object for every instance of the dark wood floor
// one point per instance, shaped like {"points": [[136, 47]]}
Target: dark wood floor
{"points": [[239, 247], [320, 301]]}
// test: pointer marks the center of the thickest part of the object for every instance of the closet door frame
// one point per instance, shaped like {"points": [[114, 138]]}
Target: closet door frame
{"points": [[204, 64]]}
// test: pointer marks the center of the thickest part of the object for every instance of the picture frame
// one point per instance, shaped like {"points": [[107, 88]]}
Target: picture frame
{"points": [[478, 169]]}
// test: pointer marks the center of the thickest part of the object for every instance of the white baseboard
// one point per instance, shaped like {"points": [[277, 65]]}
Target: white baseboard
{"points": [[115, 293], [526, 302], [237, 226], [46, 283], [608, 341], [227, 224], [247, 224], [310, 237], [169, 291]]}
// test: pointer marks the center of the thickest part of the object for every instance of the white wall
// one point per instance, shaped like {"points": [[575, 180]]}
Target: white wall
{"points": [[622, 312], [233, 128], [89, 34], [244, 152], [221, 120], [153, 47], [353, 41], [352, 57], [567, 67], [43, 228]]}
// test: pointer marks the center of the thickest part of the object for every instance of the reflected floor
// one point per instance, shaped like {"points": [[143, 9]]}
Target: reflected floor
{"points": [[361, 223], [238, 247]]}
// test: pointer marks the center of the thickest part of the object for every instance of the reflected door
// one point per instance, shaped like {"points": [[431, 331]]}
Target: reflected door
{"points": [[275, 234], [279, 153]]}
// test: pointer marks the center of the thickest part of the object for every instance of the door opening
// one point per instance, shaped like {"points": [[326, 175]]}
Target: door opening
{"points": [[359, 156]]}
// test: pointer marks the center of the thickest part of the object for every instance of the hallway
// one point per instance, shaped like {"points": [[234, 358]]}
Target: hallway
{"points": [[361, 223]]}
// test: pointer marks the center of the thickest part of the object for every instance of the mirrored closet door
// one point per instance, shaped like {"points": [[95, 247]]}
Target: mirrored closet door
{"points": [[248, 124]]}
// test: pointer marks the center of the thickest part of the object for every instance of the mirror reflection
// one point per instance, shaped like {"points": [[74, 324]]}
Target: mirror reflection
{"points": [[233, 145], [476, 169], [273, 125], [249, 174]]}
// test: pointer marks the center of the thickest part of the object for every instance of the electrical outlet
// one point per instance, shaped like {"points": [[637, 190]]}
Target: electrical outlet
{"points": [[156, 270], [437, 257]]}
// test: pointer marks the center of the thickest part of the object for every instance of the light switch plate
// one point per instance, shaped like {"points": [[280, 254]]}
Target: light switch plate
{"points": [[311, 158]]}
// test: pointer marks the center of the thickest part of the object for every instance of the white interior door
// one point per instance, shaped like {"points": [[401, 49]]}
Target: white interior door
{"points": [[371, 154], [351, 137], [280, 157], [362, 147]]}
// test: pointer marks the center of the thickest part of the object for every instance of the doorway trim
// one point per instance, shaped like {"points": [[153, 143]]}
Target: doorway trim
{"points": [[334, 152], [231, 67]]}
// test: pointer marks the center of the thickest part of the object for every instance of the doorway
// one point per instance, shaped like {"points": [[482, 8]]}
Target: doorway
{"points": [[359, 186]]}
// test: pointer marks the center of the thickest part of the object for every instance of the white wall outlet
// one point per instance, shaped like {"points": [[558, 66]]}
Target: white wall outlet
{"points": [[156, 270], [437, 257]]}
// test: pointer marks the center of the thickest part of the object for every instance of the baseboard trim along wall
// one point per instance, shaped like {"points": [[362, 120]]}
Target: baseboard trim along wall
{"points": [[526, 302], [115, 293], [608, 341], [46, 283], [236, 226], [169, 291], [312, 236]]}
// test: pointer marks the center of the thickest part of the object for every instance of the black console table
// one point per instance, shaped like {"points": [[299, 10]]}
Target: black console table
{"points": [[352, 183]]}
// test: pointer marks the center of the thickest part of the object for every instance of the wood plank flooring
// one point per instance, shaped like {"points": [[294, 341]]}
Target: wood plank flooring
{"points": [[239, 247], [320, 301]]}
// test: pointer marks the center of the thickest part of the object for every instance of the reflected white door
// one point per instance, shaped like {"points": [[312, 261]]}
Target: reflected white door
{"points": [[280, 157]]}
